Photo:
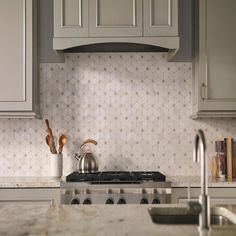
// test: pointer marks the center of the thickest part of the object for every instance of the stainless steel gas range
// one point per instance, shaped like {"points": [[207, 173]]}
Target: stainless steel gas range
{"points": [[122, 187]]}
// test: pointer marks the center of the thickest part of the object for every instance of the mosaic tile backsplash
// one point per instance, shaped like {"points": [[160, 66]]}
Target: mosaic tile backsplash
{"points": [[136, 105]]}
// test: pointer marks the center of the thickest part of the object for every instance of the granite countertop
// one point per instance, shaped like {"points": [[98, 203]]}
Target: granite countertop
{"points": [[195, 181], [49, 182], [29, 182], [100, 220]]}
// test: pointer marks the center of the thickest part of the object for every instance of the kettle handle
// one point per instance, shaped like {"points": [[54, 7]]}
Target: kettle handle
{"points": [[77, 156], [88, 141]]}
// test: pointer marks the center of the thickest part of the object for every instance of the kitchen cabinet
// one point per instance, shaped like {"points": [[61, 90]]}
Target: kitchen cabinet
{"points": [[71, 18], [160, 17], [217, 195], [112, 18], [30, 196], [214, 64], [18, 59], [80, 22]]}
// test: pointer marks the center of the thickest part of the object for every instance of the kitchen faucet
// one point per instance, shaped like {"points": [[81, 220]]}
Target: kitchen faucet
{"points": [[199, 154]]}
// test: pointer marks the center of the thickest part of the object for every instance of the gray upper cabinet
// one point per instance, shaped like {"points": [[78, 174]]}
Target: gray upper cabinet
{"points": [[84, 22], [112, 18], [70, 18], [214, 66], [160, 17], [18, 59]]}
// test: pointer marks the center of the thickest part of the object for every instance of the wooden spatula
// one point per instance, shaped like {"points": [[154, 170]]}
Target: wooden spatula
{"points": [[49, 131]]}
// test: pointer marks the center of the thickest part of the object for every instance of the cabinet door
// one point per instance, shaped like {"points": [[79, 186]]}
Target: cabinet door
{"points": [[217, 195], [26, 202], [30, 196], [17, 73], [115, 18], [215, 69], [160, 17], [70, 18]]}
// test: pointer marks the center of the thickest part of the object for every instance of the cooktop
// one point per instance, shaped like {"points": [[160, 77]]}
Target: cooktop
{"points": [[116, 177]]}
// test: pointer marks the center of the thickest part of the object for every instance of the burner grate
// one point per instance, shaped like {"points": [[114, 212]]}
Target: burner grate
{"points": [[83, 177], [148, 176], [116, 177]]}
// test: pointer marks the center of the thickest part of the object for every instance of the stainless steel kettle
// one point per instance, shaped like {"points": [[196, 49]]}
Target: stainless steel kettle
{"points": [[86, 160]]}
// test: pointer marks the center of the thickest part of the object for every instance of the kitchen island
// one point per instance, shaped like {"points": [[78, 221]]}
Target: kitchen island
{"points": [[93, 220]]}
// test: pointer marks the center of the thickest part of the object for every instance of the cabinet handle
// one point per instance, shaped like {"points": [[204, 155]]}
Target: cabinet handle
{"points": [[203, 91]]}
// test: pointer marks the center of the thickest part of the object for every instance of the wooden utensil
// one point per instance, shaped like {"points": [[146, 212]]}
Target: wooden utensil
{"points": [[48, 140], [214, 167], [49, 143], [62, 143], [49, 131]]}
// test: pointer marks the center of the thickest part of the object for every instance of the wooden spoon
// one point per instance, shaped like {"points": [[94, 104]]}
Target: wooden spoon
{"points": [[62, 143], [49, 143]]}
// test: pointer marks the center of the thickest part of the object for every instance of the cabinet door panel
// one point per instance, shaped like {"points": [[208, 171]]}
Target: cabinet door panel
{"points": [[30, 196], [109, 18], [160, 12], [71, 18], [12, 81], [160, 17], [214, 62], [218, 69], [213, 201], [16, 55], [26, 202], [109, 13], [218, 195], [71, 13]]}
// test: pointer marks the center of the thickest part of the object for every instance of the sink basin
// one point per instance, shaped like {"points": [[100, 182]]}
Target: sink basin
{"points": [[181, 215]]}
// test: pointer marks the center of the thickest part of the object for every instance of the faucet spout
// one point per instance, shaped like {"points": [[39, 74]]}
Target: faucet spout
{"points": [[199, 154]]}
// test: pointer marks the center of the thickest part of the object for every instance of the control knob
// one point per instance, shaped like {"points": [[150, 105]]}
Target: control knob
{"points": [[121, 201], [156, 201], [87, 201], [109, 201], [144, 201], [75, 201]]}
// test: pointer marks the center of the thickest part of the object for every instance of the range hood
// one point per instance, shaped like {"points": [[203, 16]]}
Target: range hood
{"points": [[154, 44], [116, 47], [116, 25]]}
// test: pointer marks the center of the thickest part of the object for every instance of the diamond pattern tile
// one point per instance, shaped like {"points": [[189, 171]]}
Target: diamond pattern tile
{"points": [[136, 105]]}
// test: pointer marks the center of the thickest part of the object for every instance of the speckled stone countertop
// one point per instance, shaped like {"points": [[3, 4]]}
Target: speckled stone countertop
{"points": [[99, 220], [194, 181], [49, 182], [29, 182]]}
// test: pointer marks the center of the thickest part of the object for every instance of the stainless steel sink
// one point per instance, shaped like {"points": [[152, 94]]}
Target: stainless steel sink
{"points": [[181, 215]]}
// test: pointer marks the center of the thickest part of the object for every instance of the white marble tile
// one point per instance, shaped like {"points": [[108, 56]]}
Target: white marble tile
{"points": [[136, 105]]}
